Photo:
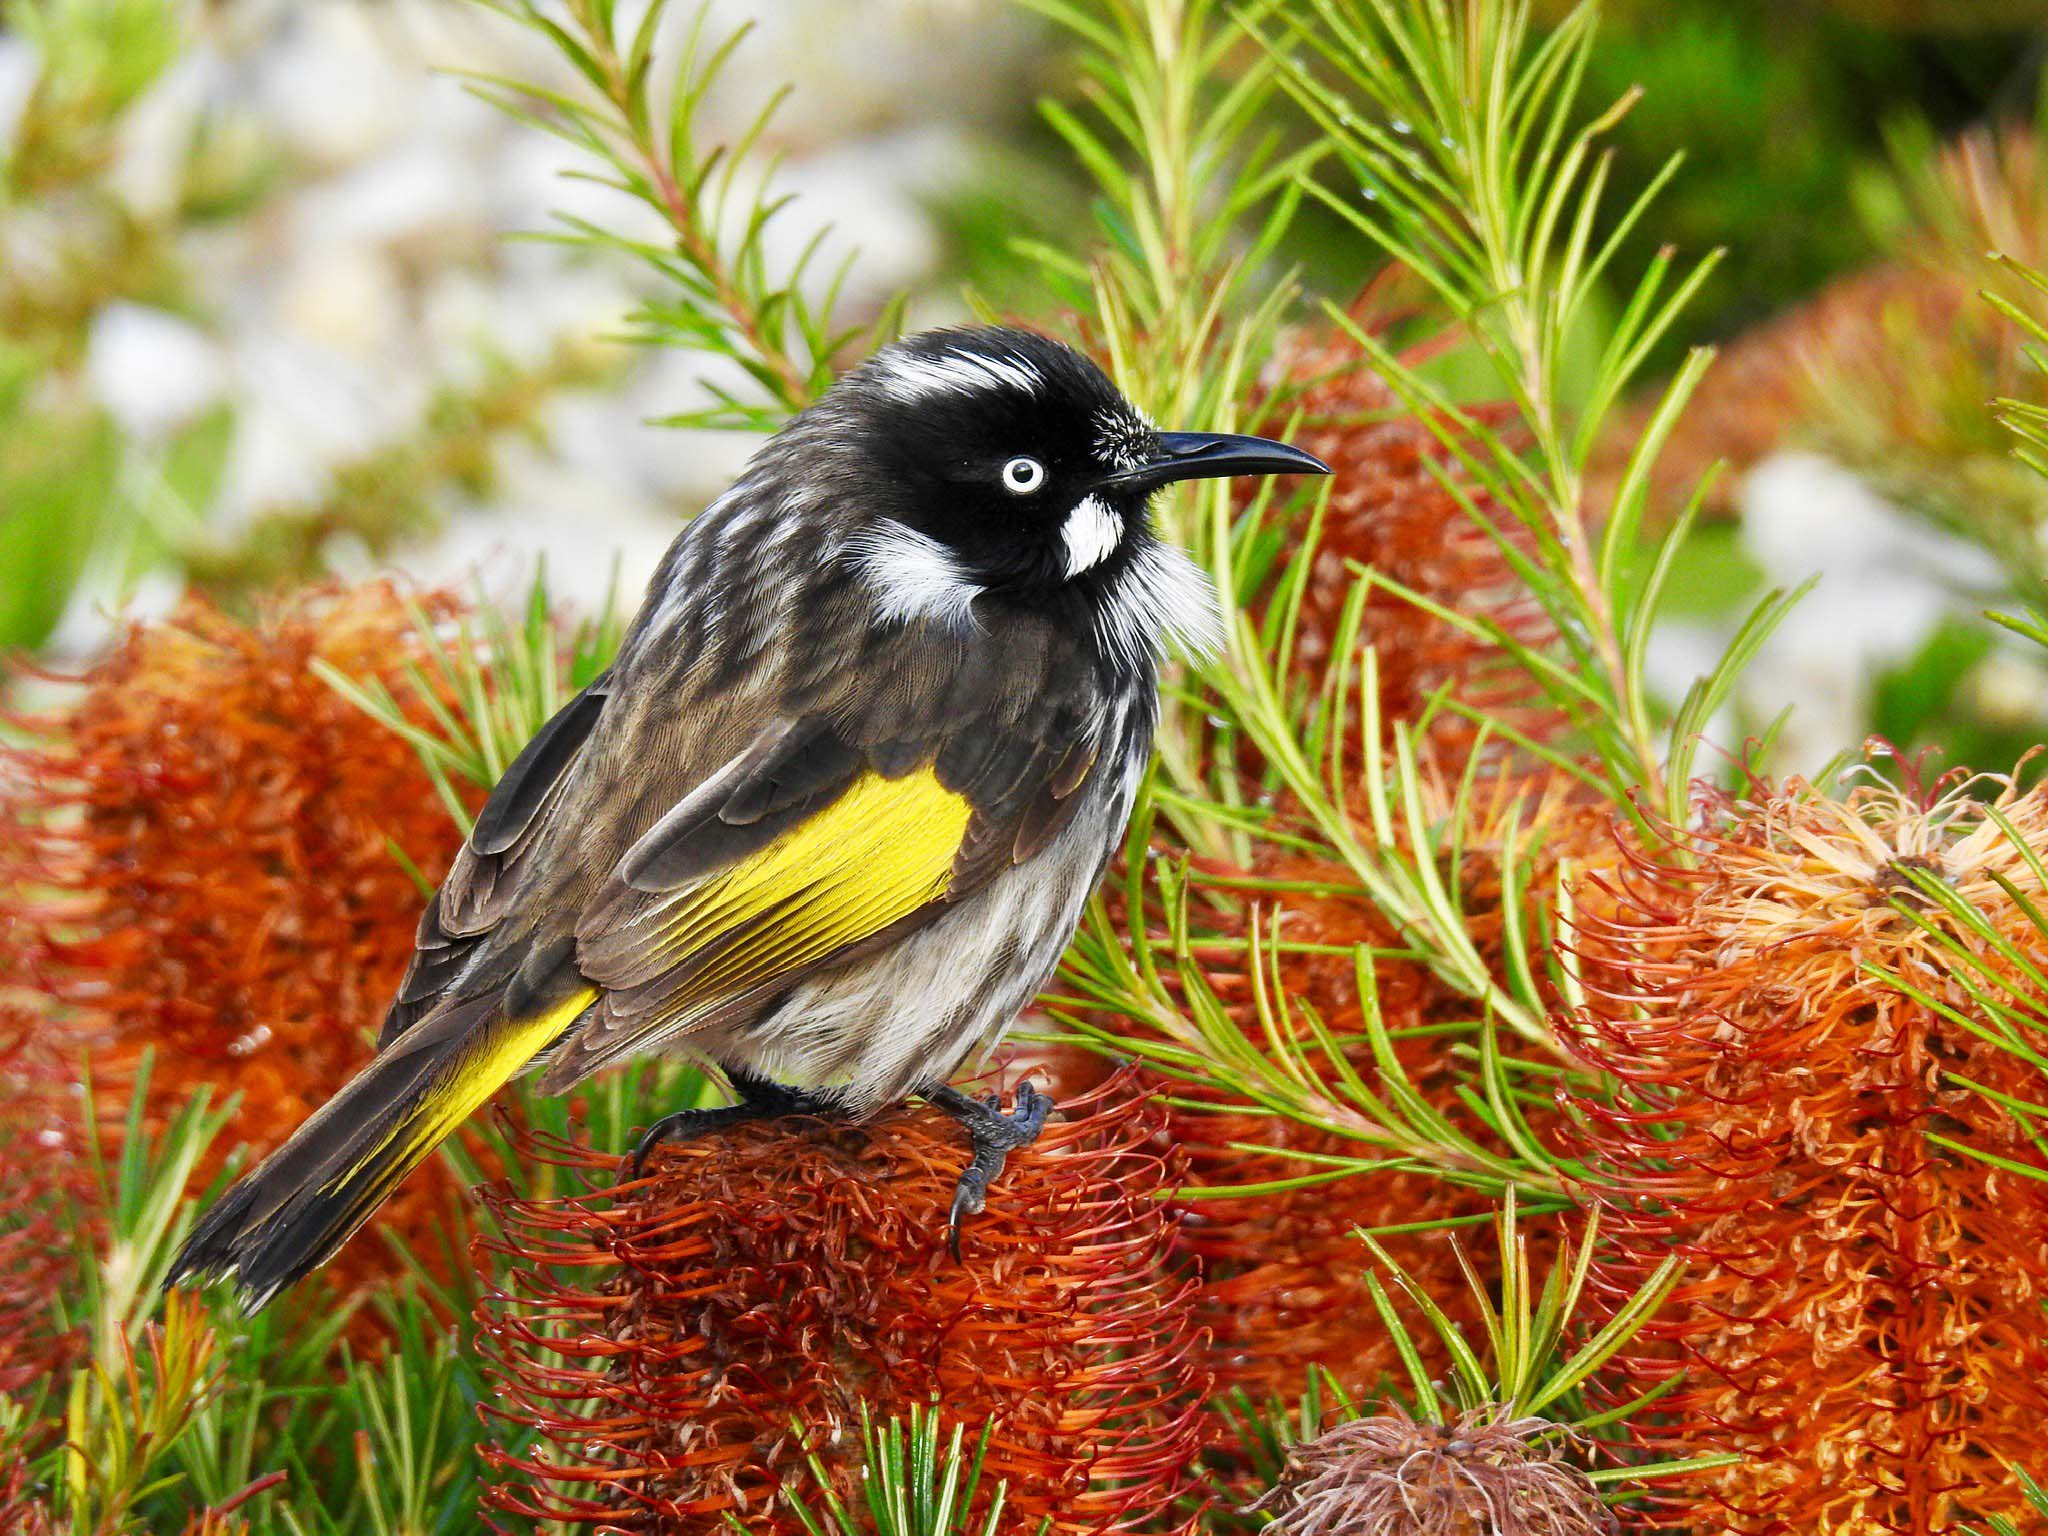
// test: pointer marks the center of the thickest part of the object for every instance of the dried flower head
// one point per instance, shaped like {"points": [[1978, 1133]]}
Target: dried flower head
{"points": [[200, 860], [1862, 1315], [24, 1509], [1480, 1474], [678, 1344]]}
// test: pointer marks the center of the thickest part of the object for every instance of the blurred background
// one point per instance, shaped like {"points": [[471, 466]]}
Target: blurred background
{"points": [[263, 320]]}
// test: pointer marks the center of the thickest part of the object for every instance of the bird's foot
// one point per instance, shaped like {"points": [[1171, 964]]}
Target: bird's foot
{"points": [[994, 1136], [759, 1099], [685, 1125]]}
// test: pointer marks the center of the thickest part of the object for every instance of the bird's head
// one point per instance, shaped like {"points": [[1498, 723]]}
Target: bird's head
{"points": [[1000, 463]]}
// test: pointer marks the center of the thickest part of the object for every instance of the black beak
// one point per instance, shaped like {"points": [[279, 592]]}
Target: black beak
{"points": [[1213, 456]]}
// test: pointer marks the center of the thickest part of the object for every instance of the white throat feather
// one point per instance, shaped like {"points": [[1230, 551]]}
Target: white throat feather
{"points": [[1160, 604]]}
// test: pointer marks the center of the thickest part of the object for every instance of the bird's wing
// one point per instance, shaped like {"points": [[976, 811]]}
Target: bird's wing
{"points": [[822, 839], [473, 899]]}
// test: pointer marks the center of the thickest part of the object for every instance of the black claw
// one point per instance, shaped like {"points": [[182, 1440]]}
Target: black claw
{"points": [[681, 1126], [759, 1099], [994, 1136]]}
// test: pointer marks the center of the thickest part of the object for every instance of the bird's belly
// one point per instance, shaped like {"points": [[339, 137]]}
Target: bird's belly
{"points": [[881, 1028]]}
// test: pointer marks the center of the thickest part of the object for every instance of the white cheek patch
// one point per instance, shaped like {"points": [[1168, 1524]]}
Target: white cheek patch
{"points": [[1092, 532], [913, 577]]}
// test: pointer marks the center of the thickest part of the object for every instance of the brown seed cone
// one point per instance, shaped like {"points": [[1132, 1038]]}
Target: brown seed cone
{"points": [[678, 1343], [1862, 1315], [1481, 1474], [199, 861]]}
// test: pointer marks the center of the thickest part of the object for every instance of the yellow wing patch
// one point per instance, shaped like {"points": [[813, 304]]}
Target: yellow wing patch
{"points": [[879, 852]]}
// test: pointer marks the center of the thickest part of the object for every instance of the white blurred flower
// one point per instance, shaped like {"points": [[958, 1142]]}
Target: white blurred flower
{"points": [[20, 64], [345, 298], [420, 194], [1885, 582], [333, 86], [2009, 688], [1680, 654], [155, 134], [104, 602], [303, 411], [533, 190], [593, 535], [152, 371], [875, 209]]}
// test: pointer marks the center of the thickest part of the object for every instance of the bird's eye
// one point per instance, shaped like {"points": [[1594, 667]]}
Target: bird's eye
{"points": [[1022, 476]]}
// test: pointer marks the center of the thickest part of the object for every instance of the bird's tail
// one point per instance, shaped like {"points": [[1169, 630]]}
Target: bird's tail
{"points": [[288, 1215]]}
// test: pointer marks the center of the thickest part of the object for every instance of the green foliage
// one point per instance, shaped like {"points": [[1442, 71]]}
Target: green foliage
{"points": [[1992, 986], [1479, 173], [721, 294], [915, 1481], [178, 1409], [488, 685], [57, 471], [97, 58], [1291, 1065], [2024, 302], [2002, 1525], [1483, 178], [1531, 1361]]}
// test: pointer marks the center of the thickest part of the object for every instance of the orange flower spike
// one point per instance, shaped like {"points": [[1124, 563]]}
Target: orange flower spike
{"points": [[200, 862], [662, 1338], [1861, 1319], [40, 1173], [1389, 511]]}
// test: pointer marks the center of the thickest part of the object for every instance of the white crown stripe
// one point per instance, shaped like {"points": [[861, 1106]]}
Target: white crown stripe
{"points": [[910, 378]]}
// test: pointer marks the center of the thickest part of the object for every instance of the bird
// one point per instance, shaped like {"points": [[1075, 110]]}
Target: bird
{"points": [[830, 817]]}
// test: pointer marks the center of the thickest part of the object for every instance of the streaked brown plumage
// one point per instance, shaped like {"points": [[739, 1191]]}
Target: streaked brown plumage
{"points": [[831, 816]]}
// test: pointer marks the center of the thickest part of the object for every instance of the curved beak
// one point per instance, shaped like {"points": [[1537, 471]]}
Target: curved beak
{"points": [[1213, 456]]}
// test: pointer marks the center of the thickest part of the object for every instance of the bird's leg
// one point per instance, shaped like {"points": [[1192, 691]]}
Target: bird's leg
{"points": [[759, 1099], [994, 1136]]}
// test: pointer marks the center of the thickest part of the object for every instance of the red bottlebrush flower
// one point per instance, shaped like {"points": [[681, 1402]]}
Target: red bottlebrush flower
{"points": [[663, 1337], [1481, 1474], [1284, 1275], [200, 860], [1389, 511], [23, 1512], [1862, 1320], [34, 1262], [1284, 1285], [40, 1173]]}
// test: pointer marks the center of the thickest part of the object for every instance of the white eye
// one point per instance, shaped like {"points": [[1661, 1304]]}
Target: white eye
{"points": [[1022, 476]]}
